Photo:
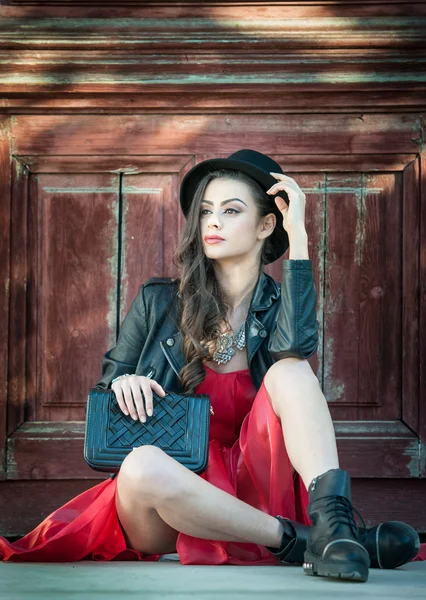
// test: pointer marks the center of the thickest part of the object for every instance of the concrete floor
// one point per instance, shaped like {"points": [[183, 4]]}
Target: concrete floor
{"points": [[170, 579]]}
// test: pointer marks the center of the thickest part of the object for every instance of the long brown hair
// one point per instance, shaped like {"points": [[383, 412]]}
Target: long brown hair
{"points": [[202, 306]]}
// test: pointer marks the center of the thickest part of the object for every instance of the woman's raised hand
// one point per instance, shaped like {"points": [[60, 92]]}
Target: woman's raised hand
{"points": [[130, 392], [293, 213]]}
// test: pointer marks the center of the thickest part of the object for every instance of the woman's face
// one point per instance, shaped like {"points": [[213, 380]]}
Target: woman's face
{"points": [[229, 211]]}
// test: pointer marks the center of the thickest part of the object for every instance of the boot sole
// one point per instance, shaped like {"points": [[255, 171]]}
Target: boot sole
{"points": [[313, 565]]}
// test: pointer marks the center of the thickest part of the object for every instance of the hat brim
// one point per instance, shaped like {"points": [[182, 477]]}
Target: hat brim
{"points": [[279, 238]]}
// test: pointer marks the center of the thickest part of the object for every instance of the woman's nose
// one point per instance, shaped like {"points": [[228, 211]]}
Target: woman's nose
{"points": [[214, 220]]}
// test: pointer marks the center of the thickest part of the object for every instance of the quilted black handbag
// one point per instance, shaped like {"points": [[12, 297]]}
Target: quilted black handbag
{"points": [[179, 425]]}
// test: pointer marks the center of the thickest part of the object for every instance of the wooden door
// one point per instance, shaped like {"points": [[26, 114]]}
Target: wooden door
{"points": [[95, 212]]}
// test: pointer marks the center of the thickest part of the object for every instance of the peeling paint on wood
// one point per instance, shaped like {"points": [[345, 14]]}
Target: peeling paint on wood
{"points": [[394, 429], [113, 269], [335, 390], [74, 190], [413, 451], [356, 190], [213, 79]]}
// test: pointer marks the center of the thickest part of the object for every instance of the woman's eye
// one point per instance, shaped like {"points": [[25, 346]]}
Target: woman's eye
{"points": [[203, 210]]}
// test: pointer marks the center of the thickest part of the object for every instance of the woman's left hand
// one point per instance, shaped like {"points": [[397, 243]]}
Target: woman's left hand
{"points": [[294, 213]]}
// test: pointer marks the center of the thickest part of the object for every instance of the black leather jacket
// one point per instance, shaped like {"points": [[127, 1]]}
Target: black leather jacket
{"points": [[281, 322]]}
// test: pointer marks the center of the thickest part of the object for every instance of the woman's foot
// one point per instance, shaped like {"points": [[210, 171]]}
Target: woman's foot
{"points": [[333, 548], [332, 542], [389, 544]]}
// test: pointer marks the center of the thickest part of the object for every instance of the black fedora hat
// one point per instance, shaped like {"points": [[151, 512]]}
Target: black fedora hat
{"points": [[258, 166]]}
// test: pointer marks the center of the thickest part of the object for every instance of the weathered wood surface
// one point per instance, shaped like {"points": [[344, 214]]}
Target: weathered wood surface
{"points": [[5, 281], [355, 217], [105, 109], [422, 311], [241, 100], [54, 450], [164, 135], [187, 48], [26, 503], [54, 72]]}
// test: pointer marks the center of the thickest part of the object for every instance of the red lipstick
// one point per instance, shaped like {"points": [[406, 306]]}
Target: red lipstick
{"points": [[213, 239]]}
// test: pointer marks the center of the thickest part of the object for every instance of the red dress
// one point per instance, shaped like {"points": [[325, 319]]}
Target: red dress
{"points": [[247, 458]]}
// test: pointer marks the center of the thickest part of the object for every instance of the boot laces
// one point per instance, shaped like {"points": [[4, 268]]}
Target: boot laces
{"points": [[342, 511]]}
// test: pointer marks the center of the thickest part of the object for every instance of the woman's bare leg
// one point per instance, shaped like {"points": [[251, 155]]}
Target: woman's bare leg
{"points": [[297, 400], [157, 497]]}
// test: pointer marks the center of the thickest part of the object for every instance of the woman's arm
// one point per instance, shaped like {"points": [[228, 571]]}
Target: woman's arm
{"points": [[124, 356], [296, 329]]}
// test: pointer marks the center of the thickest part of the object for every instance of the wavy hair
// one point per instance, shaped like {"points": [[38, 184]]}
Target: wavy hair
{"points": [[202, 306]]}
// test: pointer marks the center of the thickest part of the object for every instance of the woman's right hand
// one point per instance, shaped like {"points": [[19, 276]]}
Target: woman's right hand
{"points": [[130, 392]]}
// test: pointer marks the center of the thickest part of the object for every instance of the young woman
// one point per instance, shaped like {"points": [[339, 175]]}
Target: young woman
{"points": [[227, 329]]}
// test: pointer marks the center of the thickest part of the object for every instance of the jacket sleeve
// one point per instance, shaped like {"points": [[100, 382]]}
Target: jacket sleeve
{"points": [[124, 356], [295, 332]]}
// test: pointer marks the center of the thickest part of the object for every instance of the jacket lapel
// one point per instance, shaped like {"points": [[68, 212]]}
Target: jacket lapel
{"points": [[172, 347], [265, 294]]}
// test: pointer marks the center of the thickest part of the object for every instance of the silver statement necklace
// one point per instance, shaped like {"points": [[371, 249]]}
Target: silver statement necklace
{"points": [[226, 342]]}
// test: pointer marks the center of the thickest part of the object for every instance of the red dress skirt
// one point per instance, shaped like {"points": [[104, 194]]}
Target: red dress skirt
{"points": [[247, 458]]}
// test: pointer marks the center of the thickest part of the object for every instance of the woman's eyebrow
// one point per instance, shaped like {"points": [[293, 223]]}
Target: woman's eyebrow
{"points": [[224, 201]]}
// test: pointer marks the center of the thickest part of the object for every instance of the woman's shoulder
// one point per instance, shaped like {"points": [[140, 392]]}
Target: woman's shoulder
{"points": [[161, 281], [157, 287]]}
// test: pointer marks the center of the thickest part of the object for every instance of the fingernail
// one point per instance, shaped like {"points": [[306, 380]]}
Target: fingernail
{"points": [[149, 411]]}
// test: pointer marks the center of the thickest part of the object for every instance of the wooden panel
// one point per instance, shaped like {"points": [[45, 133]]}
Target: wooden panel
{"points": [[66, 313], [27, 503], [391, 500], [422, 456], [170, 163], [228, 29], [422, 311], [341, 288], [137, 69], [186, 100], [362, 298], [190, 135], [18, 295], [377, 449], [49, 450], [411, 296], [72, 302], [152, 222], [125, 164], [5, 279], [380, 264]]}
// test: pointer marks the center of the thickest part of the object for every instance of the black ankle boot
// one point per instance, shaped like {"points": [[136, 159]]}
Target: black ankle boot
{"points": [[333, 547], [389, 544], [293, 542]]}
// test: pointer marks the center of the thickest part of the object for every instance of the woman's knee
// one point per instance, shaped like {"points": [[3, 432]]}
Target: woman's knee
{"points": [[151, 470], [287, 371]]}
